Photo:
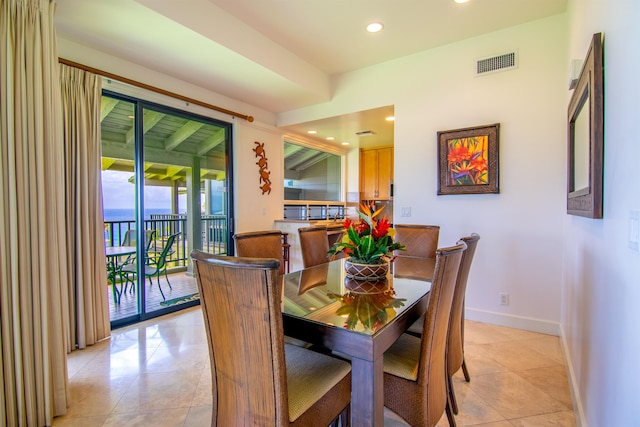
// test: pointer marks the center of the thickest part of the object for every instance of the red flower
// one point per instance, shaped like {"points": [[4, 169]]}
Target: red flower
{"points": [[381, 229]]}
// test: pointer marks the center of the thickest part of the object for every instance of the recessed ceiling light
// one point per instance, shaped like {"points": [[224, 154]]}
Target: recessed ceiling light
{"points": [[312, 132], [374, 27], [390, 118], [460, 1], [330, 138], [345, 143]]}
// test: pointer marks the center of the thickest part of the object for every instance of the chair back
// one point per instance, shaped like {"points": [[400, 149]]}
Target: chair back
{"points": [[241, 300], [432, 377], [162, 258], [130, 238], [421, 241], [260, 244], [455, 345], [314, 244]]}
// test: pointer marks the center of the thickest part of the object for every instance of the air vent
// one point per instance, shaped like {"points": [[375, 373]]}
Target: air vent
{"points": [[504, 62], [365, 133]]}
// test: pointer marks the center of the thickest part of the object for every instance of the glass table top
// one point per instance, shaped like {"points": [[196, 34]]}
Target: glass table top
{"points": [[326, 295]]}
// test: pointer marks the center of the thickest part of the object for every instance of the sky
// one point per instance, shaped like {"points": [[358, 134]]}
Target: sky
{"points": [[118, 193]]}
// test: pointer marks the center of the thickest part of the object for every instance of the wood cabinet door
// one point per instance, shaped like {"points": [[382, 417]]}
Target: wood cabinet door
{"points": [[376, 174], [385, 173], [368, 174]]}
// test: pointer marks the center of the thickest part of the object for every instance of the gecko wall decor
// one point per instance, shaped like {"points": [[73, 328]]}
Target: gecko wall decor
{"points": [[265, 181]]}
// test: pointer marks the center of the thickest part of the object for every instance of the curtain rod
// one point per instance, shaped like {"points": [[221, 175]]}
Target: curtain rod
{"points": [[153, 88]]}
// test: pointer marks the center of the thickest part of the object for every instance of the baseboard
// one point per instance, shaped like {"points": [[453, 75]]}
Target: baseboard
{"points": [[512, 321], [578, 409]]}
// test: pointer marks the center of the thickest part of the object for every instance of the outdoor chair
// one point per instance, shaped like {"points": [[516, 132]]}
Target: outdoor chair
{"points": [[258, 379], [129, 239], [314, 244], [420, 240], [154, 266], [415, 375]]}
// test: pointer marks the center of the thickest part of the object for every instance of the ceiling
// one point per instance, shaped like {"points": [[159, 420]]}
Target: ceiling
{"points": [[280, 55]]}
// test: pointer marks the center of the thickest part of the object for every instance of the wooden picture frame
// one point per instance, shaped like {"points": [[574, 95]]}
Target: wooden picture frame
{"points": [[468, 160], [585, 137]]}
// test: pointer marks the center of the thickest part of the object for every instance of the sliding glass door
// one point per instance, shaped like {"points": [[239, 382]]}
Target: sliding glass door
{"points": [[177, 176]]}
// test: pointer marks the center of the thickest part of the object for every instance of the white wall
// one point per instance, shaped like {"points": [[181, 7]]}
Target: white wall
{"points": [[521, 228], [600, 286]]}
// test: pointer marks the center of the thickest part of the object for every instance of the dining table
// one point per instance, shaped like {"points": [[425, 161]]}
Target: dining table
{"points": [[357, 320], [113, 253]]}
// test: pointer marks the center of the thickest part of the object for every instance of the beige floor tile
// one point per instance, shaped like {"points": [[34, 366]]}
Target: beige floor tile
{"points": [[552, 381], [90, 421], [513, 397], [203, 393], [96, 395], [198, 416], [495, 424], [548, 346], [116, 364], [556, 419], [515, 356], [174, 335], [472, 408], [478, 363], [159, 390], [159, 418], [178, 358]]}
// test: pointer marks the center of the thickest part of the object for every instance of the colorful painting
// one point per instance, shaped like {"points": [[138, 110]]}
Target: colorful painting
{"points": [[468, 160]]}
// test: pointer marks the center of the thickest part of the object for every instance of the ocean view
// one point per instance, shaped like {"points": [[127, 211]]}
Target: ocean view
{"points": [[128, 214]]}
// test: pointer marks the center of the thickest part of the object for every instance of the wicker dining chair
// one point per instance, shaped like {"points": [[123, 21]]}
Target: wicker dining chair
{"points": [[455, 339], [257, 379], [260, 244], [420, 240], [455, 345], [415, 377], [314, 245]]}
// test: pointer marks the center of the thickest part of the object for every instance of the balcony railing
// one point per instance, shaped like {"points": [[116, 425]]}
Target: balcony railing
{"points": [[214, 234]]}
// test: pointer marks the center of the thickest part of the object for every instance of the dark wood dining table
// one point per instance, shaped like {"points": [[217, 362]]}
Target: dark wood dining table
{"points": [[322, 306]]}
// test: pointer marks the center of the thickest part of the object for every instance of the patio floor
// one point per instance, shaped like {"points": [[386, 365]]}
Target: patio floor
{"points": [[182, 285]]}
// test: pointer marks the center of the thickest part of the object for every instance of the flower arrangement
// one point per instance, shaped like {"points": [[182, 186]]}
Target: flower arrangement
{"points": [[369, 240]]}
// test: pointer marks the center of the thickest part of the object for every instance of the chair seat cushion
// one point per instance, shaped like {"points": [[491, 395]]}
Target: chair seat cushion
{"points": [[402, 358], [310, 376]]}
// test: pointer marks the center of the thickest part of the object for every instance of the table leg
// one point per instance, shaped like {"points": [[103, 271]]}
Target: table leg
{"points": [[367, 393]]}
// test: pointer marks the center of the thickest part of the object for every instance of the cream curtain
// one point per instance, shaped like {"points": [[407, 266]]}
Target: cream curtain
{"points": [[33, 253], [87, 289]]}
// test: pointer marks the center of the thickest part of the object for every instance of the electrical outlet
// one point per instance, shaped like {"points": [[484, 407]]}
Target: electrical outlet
{"points": [[504, 299], [405, 212]]}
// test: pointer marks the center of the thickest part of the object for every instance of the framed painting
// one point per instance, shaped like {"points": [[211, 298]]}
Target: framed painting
{"points": [[468, 160]]}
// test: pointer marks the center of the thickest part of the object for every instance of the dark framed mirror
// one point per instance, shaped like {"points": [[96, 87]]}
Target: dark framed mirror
{"points": [[586, 137]]}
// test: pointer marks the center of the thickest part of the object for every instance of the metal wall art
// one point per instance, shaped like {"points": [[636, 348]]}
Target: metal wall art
{"points": [[265, 180]]}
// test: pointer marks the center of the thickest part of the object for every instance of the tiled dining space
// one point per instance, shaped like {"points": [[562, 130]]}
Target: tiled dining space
{"points": [[156, 373]]}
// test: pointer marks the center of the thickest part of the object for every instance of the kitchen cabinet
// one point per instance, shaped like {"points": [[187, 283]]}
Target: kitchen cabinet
{"points": [[376, 173]]}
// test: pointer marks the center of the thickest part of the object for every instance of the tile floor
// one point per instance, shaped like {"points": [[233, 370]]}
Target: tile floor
{"points": [[157, 374]]}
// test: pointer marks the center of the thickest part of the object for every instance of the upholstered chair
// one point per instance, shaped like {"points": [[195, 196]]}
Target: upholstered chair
{"points": [[257, 379], [420, 240], [260, 244], [415, 376], [314, 245]]}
